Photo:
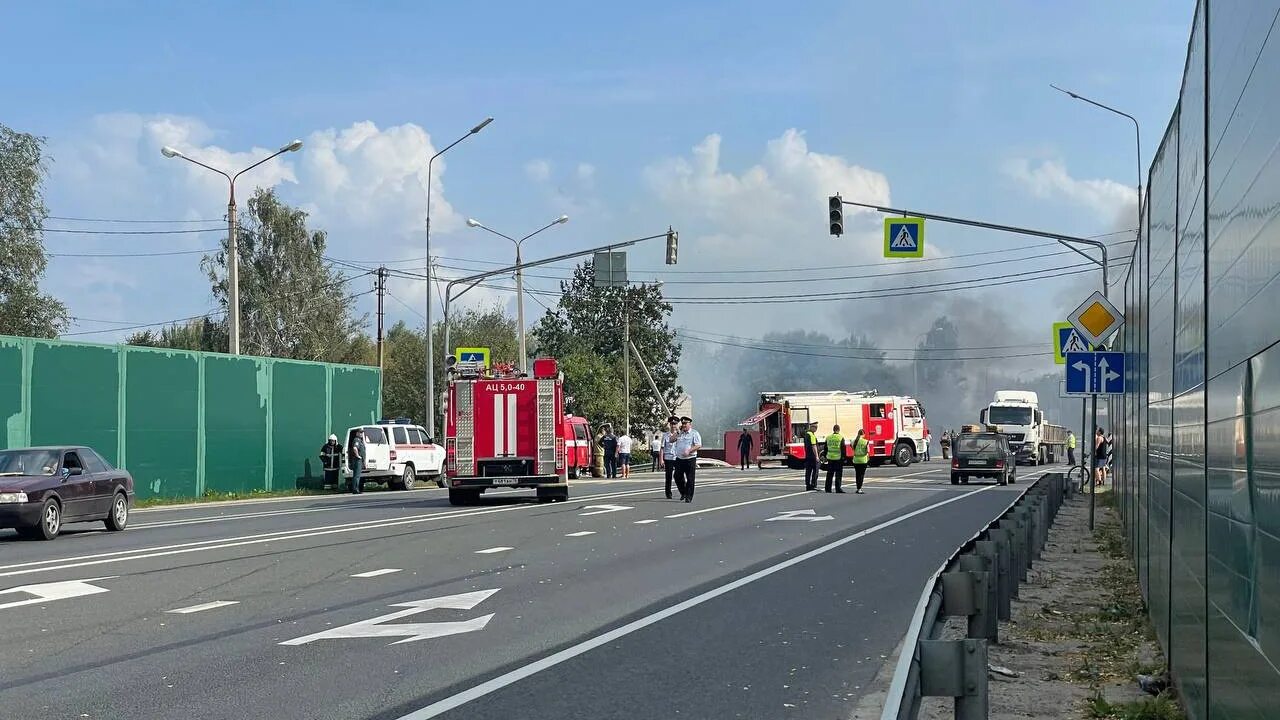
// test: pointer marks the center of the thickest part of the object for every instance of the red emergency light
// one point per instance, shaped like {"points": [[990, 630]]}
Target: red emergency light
{"points": [[546, 368]]}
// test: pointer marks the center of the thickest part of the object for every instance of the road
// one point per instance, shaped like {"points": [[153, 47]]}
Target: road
{"points": [[757, 600]]}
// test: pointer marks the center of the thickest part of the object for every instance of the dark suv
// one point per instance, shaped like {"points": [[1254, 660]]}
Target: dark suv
{"points": [[985, 455]]}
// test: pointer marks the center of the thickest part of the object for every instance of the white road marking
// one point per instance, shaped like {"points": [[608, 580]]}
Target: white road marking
{"points": [[569, 653], [35, 566], [492, 550], [602, 509], [734, 505], [644, 522], [203, 606], [54, 591], [412, 632], [376, 573], [581, 533], [805, 515]]}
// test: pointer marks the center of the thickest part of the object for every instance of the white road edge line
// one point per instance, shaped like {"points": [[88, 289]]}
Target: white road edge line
{"points": [[488, 551], [376, 573], [569, 653], [580, 533], [644, 522], [203, 606], [66, 563], [738, 504]]}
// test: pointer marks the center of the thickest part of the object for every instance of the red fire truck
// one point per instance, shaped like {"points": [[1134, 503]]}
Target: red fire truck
{"points": [[505, 429], [895, 424]]}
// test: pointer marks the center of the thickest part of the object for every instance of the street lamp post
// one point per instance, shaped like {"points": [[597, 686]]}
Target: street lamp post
{"points": [[472, 222], [233, 254], [431, 367], [1137, 134]]}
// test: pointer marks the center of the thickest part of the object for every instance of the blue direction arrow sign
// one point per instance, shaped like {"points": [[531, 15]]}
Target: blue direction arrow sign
{"points": [[1095, 373]]}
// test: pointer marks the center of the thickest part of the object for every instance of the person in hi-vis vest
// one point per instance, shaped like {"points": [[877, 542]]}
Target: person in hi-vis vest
{"points": [[811, 458], [861, 456], [835, 458]]}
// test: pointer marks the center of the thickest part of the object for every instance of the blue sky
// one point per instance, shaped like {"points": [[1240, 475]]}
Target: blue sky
{"points": [[599, 107]]}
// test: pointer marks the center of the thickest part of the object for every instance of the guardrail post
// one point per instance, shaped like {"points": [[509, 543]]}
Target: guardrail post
{"points": [[958, 669], [1004, 579], [986, 549], [983, 609]]}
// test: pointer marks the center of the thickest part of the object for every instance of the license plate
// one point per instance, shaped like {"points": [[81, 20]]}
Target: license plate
{"points": [[505, 481], [978, 462]]}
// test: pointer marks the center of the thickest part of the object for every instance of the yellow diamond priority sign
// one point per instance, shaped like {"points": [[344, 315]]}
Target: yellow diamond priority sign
{"points": [[1096, 319]]}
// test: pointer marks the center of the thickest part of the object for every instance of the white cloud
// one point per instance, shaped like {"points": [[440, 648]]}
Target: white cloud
{"points": [[1050, 179], [586, 174], [538, 171]]}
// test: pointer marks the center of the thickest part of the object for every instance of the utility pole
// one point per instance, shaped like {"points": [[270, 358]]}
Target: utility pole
{"points": [[381, 287], [626, 359]]}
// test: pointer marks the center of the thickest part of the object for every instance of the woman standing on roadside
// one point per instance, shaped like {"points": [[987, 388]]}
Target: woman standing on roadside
{"points": [[861, 456]]}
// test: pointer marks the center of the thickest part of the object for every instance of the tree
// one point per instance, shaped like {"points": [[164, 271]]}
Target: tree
{"points": [[591, 319], [293, 302], [201, 334], [592, 382], [23, 309]]}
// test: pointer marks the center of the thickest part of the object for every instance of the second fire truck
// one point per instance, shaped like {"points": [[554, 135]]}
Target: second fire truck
{"points": [[504, 429], [895, 424]]}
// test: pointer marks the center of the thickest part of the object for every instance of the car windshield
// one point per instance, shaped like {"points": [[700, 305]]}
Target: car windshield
{"points": [[978, 445], [28, 462], [1009, 415]]}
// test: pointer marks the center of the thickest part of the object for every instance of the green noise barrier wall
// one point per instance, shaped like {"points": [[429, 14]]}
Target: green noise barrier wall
{"points": [[183, 423]]}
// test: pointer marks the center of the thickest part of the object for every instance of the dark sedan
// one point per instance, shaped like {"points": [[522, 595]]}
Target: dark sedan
{"points": [[42, 488]]}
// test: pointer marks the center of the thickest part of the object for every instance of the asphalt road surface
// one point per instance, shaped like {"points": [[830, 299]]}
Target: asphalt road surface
{"points": [[757, 600]]}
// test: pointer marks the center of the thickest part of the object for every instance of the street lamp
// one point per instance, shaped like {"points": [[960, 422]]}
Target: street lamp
{"points": [[233, 257], [472, 222], [1137, 134], [431, 365]]}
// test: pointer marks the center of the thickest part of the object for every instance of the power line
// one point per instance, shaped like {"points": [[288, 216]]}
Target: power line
{"points": [[130, 255], [406, 305], [828, 346], [131, 222], [857, 357], [139, 326], [71, 231]]}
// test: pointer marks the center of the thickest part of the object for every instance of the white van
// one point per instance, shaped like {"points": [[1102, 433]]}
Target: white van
{"points": [[398, 453]]}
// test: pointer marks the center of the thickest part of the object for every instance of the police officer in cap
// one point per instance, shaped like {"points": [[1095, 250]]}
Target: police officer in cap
{"points": [[669, 452], [686, 446]]}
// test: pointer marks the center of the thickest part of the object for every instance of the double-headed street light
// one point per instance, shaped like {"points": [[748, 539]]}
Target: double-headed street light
{"points": [[233, 256], [472, 222], [431, 366]]}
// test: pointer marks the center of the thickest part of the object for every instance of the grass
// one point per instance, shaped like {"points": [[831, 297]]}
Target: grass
{"points": [[1161, 707], [216, 496]]}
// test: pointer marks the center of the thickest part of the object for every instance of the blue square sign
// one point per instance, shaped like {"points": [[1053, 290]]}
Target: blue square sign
{"points": [[903, 237], [1095, 373]]}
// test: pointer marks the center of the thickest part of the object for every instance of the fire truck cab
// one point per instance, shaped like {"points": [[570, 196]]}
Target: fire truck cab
{"points": [[895, 424], [505, 429]]}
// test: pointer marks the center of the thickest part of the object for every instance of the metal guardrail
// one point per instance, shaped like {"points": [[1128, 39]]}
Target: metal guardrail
{"points": [[979, 581]]}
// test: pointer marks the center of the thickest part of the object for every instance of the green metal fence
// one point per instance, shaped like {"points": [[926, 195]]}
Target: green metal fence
{"points": [[182, 422]]}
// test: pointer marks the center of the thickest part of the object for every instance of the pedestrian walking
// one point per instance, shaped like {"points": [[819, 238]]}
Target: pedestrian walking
{"points": [[686, 446], [745, 443], [1099, 455], [625, 442], [655, 451], [609, 444], [835, 458], [861, 456], [355, 460], [811, 459], [669, 453], [331, 460], [1071, 448]]}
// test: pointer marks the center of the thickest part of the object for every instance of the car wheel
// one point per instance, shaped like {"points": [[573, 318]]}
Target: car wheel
{"points": [[50, 521], [955, 479], [1004, 478], [119, 515], [902, 455], [408, 479]]}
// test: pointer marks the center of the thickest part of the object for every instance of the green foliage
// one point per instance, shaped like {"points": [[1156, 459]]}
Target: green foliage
{"points": [[293, 303], [588, 319], [595, 384], [201, 334], [23, 309], [1161, 707]]}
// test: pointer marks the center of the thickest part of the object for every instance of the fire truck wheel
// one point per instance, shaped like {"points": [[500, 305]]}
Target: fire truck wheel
{"points": [[573, 473], [463, 497], [553, 495], [902, 455]]}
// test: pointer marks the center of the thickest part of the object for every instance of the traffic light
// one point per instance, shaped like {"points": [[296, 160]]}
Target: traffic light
{"points": [[673, 240], [837, 215]]}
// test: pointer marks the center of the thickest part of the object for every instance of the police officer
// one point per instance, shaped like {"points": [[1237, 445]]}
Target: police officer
{"points": [[331, 460], [811, 459], [609, 443], [669, 453], [686, 446], [355, 460], [835, 458]]}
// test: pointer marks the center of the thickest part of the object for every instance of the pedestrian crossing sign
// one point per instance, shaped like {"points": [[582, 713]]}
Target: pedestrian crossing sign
{"points": [[473, 355], [1067, 339], [903, 237]]}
